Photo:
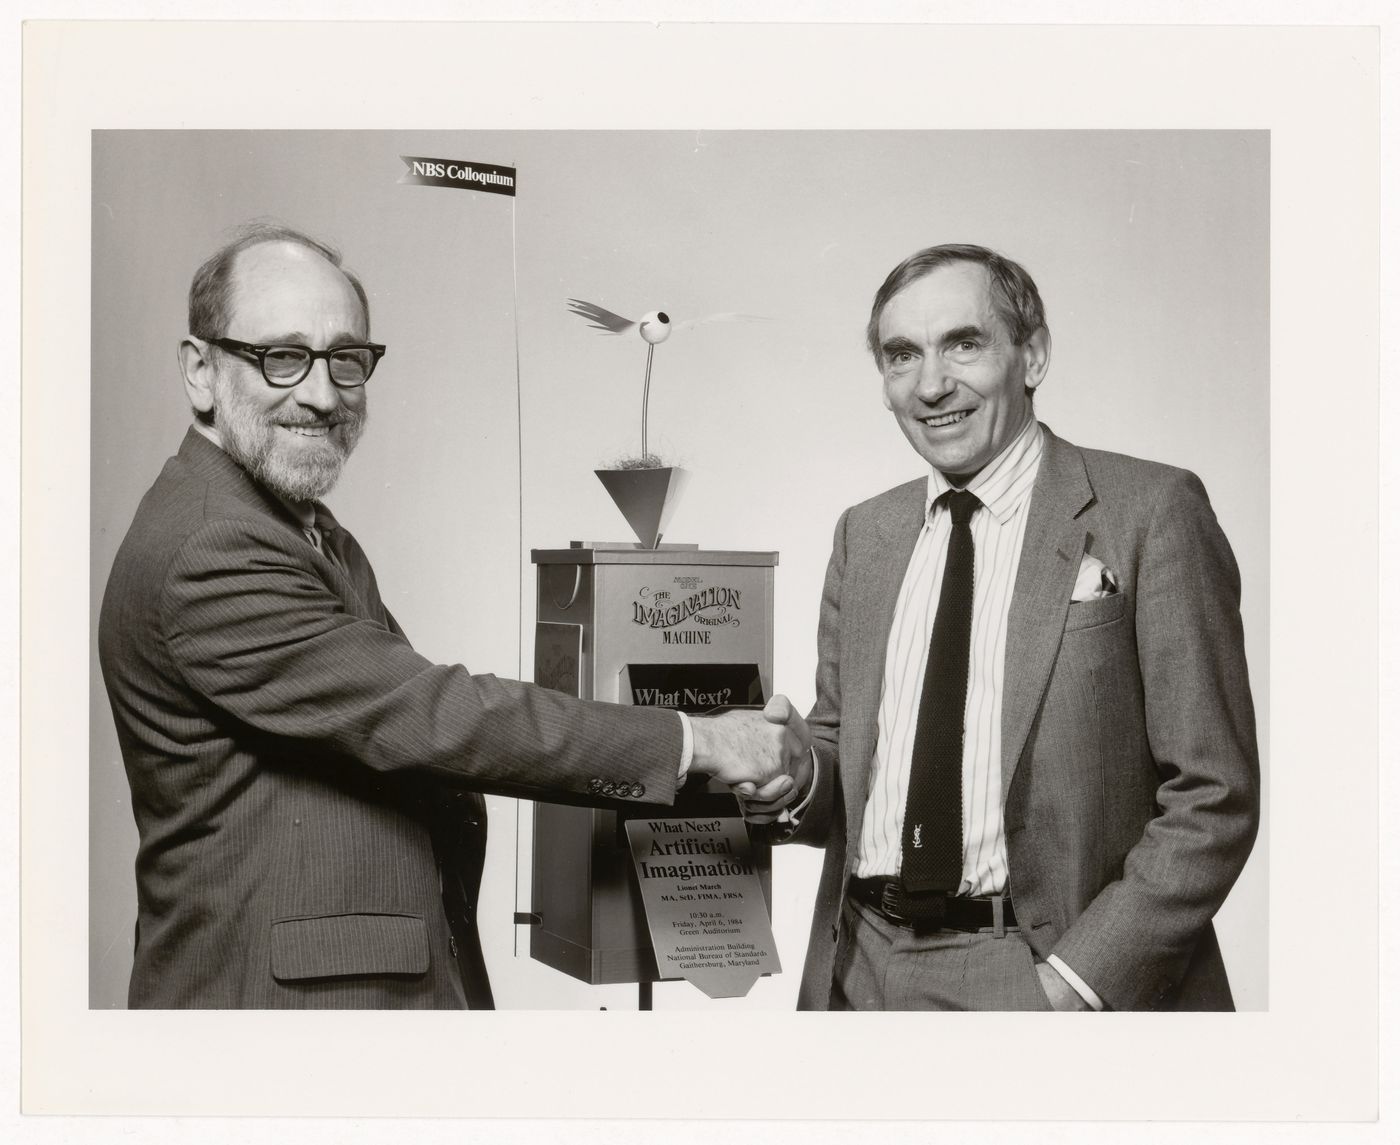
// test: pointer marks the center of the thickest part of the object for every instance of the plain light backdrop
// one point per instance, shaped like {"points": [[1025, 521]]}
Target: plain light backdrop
{"points": [[493, 405]]}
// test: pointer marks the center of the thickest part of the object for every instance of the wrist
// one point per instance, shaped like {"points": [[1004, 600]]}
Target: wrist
{"points": [[702, 745]]}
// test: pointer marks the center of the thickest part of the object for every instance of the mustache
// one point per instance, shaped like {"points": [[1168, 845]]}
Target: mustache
{"points": [[340, 417]]}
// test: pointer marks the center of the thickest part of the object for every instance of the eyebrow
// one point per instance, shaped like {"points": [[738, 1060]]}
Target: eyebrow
{"points": [[964, 334], [898, 346]]}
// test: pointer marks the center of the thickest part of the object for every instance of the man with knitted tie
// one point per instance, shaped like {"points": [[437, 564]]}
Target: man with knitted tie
{"points": [[305, 785], [1035, 772]]}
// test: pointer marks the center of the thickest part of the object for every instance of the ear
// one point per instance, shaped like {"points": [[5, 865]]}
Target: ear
{"points": [[198, 368], [1036, 354]]}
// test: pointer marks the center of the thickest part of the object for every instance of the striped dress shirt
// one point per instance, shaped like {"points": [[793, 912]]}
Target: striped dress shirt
{"points": [[998, 529]]}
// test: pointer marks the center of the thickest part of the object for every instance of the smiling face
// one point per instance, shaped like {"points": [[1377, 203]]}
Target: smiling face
{"points": [[294, 440], [953, 377]]}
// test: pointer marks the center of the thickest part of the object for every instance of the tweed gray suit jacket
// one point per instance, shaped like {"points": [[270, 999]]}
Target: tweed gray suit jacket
{"points": [[1130, 773], [288, 751]]}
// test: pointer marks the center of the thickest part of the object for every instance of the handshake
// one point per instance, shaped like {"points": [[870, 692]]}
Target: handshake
{"points": [[764, 757]]}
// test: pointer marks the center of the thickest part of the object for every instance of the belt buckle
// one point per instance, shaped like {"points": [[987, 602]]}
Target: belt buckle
{"points": [[889, 898]]}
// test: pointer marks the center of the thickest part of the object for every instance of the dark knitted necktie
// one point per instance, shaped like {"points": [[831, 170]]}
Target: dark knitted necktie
{"points": [[933, 842]]}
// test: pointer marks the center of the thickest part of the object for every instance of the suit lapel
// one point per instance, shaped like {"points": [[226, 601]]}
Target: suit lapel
{"points": [[1050, 556], [881, 564], [212, 464]]}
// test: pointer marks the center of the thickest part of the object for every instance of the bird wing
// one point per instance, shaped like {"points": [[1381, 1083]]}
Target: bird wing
{"points": [[598, 318], [725, 317]]}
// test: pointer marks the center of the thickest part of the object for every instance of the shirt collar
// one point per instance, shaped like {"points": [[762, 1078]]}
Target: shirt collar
{"points": [[1006, 482]]}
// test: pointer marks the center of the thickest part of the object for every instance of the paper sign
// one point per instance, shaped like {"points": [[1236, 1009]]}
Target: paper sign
{"points": [[558, 653], [704, 902]]}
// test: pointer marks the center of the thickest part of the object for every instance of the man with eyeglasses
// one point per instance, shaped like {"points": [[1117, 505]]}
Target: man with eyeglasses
{"points": [[305, 785]]}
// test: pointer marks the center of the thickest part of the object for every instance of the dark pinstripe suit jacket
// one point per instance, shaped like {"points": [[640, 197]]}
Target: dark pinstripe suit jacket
{"points": [[287, 751], [1130, 773]]}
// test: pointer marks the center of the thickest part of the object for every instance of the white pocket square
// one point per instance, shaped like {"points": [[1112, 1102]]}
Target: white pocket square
{"points": [[1095, 581]]}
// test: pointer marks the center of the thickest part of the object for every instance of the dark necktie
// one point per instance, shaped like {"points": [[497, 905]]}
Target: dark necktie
{"points": [[329, 540], [933, 842]]}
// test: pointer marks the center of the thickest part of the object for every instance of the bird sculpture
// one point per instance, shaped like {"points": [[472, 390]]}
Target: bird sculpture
{"points": [[654, 327]]}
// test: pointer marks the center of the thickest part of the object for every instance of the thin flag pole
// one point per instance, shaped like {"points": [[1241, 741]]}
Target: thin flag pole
{"points": [[520, 804], [646, 397], [423, 171]]}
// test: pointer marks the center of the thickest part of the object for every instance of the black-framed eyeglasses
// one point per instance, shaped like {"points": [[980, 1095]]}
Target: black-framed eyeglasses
{"points": [[287, 364]]}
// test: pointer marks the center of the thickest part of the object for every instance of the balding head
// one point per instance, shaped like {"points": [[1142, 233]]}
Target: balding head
{"points": [[211, 291]]}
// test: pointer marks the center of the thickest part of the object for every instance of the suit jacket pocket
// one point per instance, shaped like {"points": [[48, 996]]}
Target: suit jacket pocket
{"points": [[339, 945], [1092, 613]]}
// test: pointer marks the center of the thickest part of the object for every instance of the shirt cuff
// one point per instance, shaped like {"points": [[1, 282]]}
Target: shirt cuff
{"points": [[791, 817], [687, 748], [1082, 988]]}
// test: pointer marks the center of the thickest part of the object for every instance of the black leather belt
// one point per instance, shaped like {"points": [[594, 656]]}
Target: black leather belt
{"points": [[931, 911]]}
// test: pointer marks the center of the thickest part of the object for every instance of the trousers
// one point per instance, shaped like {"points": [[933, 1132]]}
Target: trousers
{"points": [[881, 966]]}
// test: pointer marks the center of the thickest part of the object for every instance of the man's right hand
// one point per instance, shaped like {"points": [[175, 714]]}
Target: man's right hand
{"points": [[749, 752], [762, 808]]}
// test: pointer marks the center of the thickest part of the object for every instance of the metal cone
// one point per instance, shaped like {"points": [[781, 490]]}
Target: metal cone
{"points": [[647, 498]]}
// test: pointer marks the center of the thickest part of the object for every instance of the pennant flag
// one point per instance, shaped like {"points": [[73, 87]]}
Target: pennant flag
{"points": [[459, 173]]}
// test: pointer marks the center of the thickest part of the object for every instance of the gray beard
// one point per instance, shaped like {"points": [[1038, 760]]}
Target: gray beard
{"points": [[293, 471]]}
